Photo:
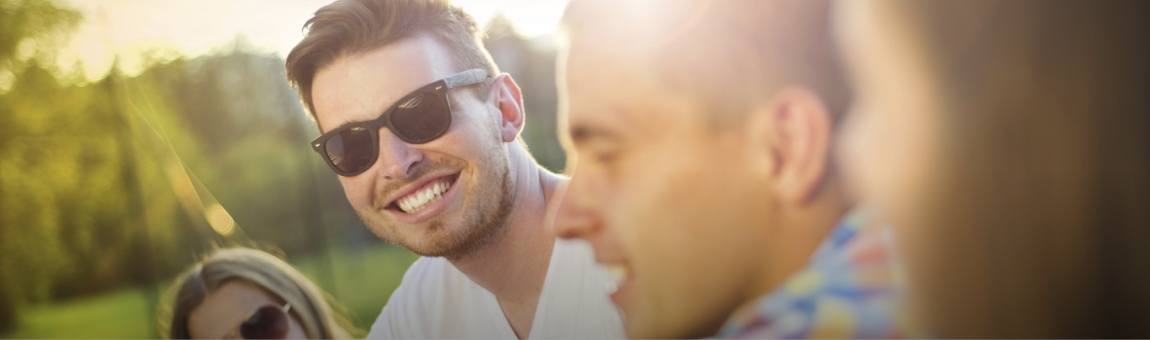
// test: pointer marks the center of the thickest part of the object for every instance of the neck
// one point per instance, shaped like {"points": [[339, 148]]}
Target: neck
{"points": [[805, 227], [514, 266]]}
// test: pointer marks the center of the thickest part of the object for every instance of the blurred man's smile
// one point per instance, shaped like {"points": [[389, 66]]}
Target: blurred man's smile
{"points": [[619, 281]]}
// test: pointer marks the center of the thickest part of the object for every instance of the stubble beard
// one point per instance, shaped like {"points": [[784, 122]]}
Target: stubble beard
{"points": [[484, 220], [486, 224]]}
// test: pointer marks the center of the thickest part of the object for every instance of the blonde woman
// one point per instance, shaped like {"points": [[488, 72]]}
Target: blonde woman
{"points": [[250, 294]]}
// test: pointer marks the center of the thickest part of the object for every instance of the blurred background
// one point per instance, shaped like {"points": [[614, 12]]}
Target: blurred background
{"points": [[138, 135]]}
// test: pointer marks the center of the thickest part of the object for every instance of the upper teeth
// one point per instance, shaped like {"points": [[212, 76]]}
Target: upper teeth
{"points": [[616, 274], [417, 200]]}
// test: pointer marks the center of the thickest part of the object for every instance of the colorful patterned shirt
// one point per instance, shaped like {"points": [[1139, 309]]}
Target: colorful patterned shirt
{"points": [[848, 290]]}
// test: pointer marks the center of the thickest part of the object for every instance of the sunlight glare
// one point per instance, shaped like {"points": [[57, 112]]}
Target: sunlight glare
{"points": [[134, 32]]}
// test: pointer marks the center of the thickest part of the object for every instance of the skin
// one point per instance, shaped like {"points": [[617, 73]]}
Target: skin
{"points": [[892, 154], [891, 150], [220, 314], [896, 156], [490, 224], [892, 113], [646, 193]]}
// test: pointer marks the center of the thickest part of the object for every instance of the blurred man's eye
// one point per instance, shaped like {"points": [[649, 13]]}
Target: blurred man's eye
{"points": [[601, 151], [598, 158], [597, 146], [606, 157]]}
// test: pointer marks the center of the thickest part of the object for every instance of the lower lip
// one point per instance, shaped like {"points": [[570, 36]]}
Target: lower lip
{"points": [[431, 209], [620, 293]]}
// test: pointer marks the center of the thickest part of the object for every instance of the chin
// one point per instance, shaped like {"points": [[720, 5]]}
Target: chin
{"points": [[686, 324], [656, 332]]}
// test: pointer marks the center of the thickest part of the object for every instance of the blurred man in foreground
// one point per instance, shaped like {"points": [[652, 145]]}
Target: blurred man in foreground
{"points": [[423, 130], [699, 137]]}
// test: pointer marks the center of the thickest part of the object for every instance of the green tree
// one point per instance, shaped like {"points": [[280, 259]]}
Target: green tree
{"points": [[24, 25]]}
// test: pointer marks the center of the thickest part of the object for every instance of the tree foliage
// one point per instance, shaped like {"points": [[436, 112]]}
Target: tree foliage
{"points": [[128, 179]]}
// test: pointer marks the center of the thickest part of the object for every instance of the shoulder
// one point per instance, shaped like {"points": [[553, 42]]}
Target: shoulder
{"points": [[851, 289], [417, 299], [575, 301], [425, 279], [423, 270]]}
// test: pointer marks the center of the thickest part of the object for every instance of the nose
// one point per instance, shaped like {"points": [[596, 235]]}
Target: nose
{"points": [[397, 158], [572, 217]]}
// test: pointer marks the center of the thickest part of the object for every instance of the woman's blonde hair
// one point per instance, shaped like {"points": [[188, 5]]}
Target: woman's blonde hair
{"points": [[309, 305]]}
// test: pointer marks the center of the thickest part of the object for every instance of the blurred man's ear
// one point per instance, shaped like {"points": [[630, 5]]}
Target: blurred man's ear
{"points": [[791, 143], [509, 101]]}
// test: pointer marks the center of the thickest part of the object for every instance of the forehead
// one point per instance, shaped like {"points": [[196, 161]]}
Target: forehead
{"points": [[607, 89], [360, 86], [225, 308], [853, 22]]}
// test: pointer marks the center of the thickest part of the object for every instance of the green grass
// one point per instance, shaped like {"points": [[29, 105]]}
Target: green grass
{"points": [[120, 314], [363, 280]]}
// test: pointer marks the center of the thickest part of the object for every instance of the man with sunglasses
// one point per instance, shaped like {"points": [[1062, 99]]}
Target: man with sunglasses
{"points": [[699, 138], [423, 131]]}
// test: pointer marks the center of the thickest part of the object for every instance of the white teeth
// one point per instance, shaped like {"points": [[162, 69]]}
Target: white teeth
{"points": [[616, 274], [415, 201]]}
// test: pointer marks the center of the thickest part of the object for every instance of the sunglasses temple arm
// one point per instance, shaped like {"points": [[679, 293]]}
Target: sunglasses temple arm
{"points": [[465, 78]]}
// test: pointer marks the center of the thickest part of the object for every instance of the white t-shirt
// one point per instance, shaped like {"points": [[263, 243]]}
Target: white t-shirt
{"points": [[437, 301]]}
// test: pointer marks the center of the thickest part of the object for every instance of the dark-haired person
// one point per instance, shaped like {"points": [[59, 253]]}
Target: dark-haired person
{"points": [[423, 131], [246, 293], [1009, 144], [699, 138]]}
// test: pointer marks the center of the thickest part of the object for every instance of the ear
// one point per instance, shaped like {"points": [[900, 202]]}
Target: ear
{"points": [[790, 136], [509, 101]]}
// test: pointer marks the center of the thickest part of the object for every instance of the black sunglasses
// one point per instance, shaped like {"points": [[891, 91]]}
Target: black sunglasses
{"points": [[267, 322], [417, 118]]}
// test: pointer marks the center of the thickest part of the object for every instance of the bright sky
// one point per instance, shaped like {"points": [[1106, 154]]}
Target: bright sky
{"points": [[133, 29]]}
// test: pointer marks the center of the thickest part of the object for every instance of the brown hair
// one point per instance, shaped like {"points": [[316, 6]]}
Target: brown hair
{"points": [[309, 305], [347, 27], [729, 54], [1039, 224]]}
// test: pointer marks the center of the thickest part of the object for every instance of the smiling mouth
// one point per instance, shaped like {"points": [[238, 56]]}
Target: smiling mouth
{"points": [[421, 198], [616, 276], [619, 276]]}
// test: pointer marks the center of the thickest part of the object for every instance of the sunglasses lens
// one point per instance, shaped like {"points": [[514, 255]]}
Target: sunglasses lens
{"points": [[423, 118], [267, 323], [351, 150]]}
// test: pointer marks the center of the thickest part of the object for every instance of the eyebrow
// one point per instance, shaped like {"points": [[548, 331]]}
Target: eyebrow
{"points": [[583, 133]]}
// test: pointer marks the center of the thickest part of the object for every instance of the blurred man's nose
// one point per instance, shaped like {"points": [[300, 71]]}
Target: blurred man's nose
{"points": [[397, 158], [572, 217]]}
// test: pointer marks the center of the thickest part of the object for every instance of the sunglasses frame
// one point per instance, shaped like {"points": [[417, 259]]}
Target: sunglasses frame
{"points": [[285, 311], [438, 87]]}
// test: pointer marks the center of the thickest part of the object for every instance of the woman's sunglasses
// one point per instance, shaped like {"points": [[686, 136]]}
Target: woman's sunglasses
{"points": [[268, 322], [418, 118]]}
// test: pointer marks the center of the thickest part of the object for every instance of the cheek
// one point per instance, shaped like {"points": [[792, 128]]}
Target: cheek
{"points": [[889, 145], [358, 190], [295, 330], [472, 140], [656, 206], [683, 227], [472, 126]]}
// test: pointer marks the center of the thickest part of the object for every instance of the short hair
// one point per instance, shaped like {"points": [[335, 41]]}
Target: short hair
{"points": [[348, 27], [308, 303], [731, 55]]}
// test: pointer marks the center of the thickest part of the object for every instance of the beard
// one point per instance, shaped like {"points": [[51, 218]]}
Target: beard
{"points": [[486, 223], [486, 204]]}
